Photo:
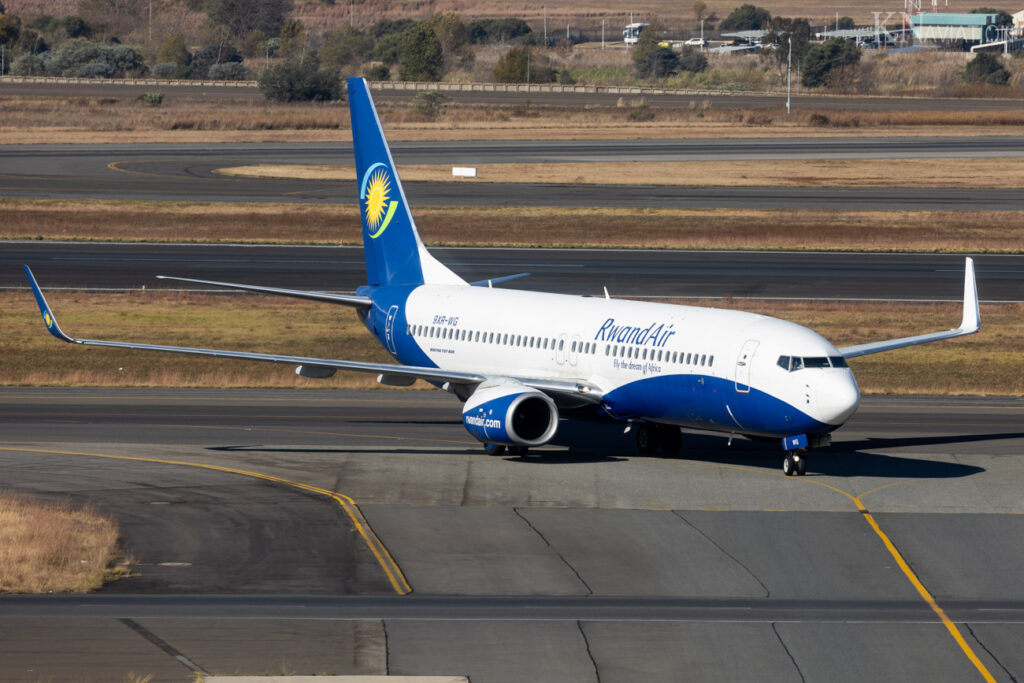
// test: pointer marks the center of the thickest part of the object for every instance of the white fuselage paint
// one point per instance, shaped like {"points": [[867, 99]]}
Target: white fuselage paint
{"points": [[611, 343]]}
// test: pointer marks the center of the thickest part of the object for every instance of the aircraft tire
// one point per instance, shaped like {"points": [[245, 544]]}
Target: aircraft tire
{"points": [[789, 465], [646, 439], [520, 451], [670, 439], [494, 449], [801, 465]]}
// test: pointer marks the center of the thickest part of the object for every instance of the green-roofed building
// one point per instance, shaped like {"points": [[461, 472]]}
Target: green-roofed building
{"points": [[977, 28]]}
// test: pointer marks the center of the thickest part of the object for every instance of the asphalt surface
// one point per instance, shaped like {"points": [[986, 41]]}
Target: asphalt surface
{"points": [[800, 275], [575, 564], [718, 101], [186, 173]]}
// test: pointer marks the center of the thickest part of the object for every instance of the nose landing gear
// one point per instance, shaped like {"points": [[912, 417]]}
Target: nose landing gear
{"points": [[795, 463]]}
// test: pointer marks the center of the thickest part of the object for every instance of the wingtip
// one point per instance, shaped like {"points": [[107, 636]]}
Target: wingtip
{"points": [[44, 308], [971, 321]]}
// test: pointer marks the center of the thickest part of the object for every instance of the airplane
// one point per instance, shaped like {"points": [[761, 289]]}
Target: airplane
{"points": [[521, 361]]}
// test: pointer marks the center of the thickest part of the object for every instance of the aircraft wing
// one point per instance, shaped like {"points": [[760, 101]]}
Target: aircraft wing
{"points": [[344, 299], [970, 323], [579, 390]]}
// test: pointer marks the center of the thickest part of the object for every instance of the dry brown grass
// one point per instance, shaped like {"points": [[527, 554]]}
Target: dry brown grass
{"points": [[986, 364], [54, 548], [89, 120], [981, 173], [974, 231]]}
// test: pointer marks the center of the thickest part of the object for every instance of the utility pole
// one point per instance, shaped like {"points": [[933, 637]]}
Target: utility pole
{"points": [[545, 25], [602, 34], [789, 75], [149, 43], [352, 14]]}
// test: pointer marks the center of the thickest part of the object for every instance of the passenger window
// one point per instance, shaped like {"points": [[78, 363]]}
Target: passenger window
{"points": [[711, 361], [688, 357], [561, 344], [572, 348], [702, 359]]}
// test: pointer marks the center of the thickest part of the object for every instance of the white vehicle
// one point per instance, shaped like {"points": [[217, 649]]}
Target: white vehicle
{"points": [[521, 361], [696, 42], [631, 34]]}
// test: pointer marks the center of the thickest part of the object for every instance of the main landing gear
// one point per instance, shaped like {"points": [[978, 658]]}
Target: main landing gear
{"points": [[650, 437], [795, 463], [499, 449]]}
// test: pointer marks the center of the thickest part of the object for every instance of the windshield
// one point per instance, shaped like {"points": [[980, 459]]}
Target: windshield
{"points": [[794, 363]]}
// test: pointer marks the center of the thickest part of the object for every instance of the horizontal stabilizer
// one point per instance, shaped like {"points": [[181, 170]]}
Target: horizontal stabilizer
{"points": [[969, 324], [498, 280], [342, 299]]}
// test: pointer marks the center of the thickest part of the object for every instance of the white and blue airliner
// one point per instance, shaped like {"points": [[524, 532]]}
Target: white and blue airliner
{"points": [[522, 361]]}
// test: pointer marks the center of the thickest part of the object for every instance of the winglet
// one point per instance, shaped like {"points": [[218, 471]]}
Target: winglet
{"points": [[971, 322], [44, 309]]}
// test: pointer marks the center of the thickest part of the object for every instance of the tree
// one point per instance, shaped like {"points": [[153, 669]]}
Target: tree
{"points": [[345, 46], [658, 62], [497, 30], [846, 23], [10, 29], [207, 56], [454, 38], [76, 27], [173, 50], [746, 18], [293, 40], [823, 58], [784, 31], [524, 65], [299, 82], [1002, 18], [420, 58], [239, 17], [2, 9], [986, 68], [700, 8]]}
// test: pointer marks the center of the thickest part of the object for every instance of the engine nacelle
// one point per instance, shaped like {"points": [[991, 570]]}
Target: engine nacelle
{"points": [[509, 413]]}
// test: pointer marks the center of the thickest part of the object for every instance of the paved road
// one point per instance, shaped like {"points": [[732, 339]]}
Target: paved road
{"points": [[724, 101], [185, 172], [572, 271], [570, 565]]}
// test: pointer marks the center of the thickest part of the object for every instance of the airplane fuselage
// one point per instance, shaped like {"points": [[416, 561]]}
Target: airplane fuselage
{"points": [[696, 367]]}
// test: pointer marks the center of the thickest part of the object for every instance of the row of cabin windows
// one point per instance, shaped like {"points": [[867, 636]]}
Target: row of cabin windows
{"points": [[503, 339], [676, 357], [589, 348]]}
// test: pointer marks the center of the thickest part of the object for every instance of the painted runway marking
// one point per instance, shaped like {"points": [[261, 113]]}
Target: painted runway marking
{"points": [[376, 546]]}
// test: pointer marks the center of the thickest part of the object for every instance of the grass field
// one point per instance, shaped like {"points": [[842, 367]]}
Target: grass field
{"points": [[54, 548], [985, 364], [980, 173], [958, 231]]}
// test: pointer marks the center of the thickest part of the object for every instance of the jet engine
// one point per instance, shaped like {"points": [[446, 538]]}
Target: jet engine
{"points": [[509, 413]]}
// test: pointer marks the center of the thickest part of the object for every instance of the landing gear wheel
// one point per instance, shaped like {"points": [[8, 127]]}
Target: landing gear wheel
{"points": [[795, 463], [801, 465], [789, 465], [494, 449], [646, 439], [670, 439], [521, 451]]}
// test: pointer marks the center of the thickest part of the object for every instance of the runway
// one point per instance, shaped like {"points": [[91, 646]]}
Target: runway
{"points": [[581, 564], [625, 272], [185, 173]]}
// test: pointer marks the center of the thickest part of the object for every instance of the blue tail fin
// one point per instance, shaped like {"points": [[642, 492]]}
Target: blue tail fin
{"points": [[395, 255]]}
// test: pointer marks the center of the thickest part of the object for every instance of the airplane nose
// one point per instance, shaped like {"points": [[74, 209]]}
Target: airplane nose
{"points": [[837, 397]]}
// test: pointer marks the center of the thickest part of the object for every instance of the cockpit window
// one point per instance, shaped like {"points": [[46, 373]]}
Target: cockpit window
{"points": [[794, 363]]}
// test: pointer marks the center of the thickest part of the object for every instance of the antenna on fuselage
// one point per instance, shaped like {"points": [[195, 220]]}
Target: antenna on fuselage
{"points": [[606, 293]]}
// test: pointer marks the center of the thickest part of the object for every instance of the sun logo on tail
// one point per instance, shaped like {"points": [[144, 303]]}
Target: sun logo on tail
{"points": [[379, 206]]}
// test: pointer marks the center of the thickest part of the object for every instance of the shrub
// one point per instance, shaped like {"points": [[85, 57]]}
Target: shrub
{"points": [[497, 30], [656, 62], [28, 65], [95, 70], [641, 113], [377, 72], [299, 82], [524, 65], [692, 59], [986, 67], [229, 71], [209, 55], [429, 105], [164, 70], [565, 77], [825, 57], [153, 99]]}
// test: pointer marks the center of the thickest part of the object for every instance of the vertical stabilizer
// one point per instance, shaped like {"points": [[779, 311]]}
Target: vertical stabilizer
{"points": [[395, 255]]}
